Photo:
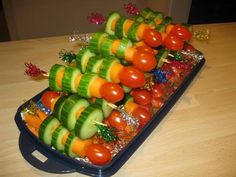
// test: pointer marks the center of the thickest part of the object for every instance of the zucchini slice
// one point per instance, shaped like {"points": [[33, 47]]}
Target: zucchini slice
{"points": [[68, 80], [55, 77], [57, 138], [85, 126], [96, 41], [112, 18], [103, 104], [70, 110], [106, 68], [47, 128], [119, 32], [124, 44], [85, 84], [106, 46], [69, 145], [58, 107], [82, 59], [94, 64], [132, 33]]}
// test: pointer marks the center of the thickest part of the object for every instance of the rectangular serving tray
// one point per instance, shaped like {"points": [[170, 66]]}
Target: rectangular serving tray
{"points": [[57, 162]]}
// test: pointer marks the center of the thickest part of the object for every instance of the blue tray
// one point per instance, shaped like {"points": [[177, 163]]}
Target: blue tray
{"points": [[59, 163]]}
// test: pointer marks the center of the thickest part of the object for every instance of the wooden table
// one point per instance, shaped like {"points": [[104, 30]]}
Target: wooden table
{"points": [[197, 138]]}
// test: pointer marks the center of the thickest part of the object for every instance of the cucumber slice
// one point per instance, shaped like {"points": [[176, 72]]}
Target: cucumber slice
{"points": [[103, 104], [113, 16], [85, 84], [53, 74], [68, 79], [82, 59], [85, 126], [96, 40], [132, 33], [106, 47], [94, 64], [124, 44], [119, 32], [47, 128], [69, 145], [58, 107], [161, 28], [158, 16], [57, 138], [167, 20], [162, 54], [70, 109], [105, 69], [139, 18], [146, 13], [126, 89]]}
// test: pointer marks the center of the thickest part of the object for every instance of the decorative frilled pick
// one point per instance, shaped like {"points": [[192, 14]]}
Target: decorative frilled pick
{"points": [[106, 132], [96, 18], [67, 56], [83, 38], [131, 9], [160, 76], [33, 71]]}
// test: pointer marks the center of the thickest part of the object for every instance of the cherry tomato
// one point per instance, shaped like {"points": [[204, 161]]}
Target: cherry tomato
{"points": [[147, 49], [115, 120], [157, 102], [181, 32], [189, 47], [132, 77], [157, 91], [141, 96], [152, 37], [49, 98], [98, 154], [144, 61], [142, 115], [173, 42], [112, 92]]}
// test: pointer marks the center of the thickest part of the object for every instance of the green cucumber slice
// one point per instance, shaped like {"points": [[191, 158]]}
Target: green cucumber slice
{"points": [[132, 33], [85, 84], [94, 64], [105, 69], [47, 128], [106, 46], [85, 126], [158, 16], [104, 105], [96, 41], [58, 107], [119, 32], [167, 20], [57, 137], [69, 145], [139, 18], [146, 13], [161, 28], [55, 69], [69, 110], [162, 54], [113, 16], [68, 80], [124, 44], [82, 59]]}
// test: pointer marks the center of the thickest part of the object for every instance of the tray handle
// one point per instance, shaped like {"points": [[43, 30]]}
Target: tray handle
{"points": [[39, 160]]}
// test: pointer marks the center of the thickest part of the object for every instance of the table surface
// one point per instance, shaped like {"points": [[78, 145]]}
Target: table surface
{"points": [[196, 138]]}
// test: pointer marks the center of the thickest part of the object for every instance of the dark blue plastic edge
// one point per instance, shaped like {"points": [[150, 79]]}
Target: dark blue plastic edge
{"points": [[59, 163]]}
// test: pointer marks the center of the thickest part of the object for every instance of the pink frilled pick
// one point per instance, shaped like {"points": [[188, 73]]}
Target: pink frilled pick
{"points": [[96, 18]]}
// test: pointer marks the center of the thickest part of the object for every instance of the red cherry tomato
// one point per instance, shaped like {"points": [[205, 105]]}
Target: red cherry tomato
{"points": [[152, 37], [189, 47], [49, 98], [142, 115], [141, 96], [115, 120], [112, 92], [146, 49], [144, 61], [157, 91], [132, 77], [157, 102], [173, 42], [98, 154], [181, 32]]}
